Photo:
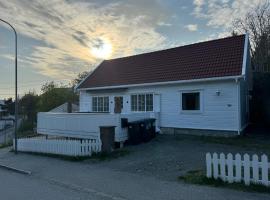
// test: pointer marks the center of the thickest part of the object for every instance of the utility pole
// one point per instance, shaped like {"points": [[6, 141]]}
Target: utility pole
{"points": [[16, 87]]}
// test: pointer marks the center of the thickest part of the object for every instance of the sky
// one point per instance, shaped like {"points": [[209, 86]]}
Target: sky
{"points": [[58, 39]]}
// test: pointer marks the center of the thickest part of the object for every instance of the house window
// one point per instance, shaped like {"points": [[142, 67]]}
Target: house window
{"points": [[191, 101], [142, 102], [100, 104]]}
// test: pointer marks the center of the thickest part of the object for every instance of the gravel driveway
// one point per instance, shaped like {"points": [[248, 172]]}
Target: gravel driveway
{"points": [[167, 156]]}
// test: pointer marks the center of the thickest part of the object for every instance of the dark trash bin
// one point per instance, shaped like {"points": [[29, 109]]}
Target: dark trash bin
{"points": [[148, 129], [141, 131]]}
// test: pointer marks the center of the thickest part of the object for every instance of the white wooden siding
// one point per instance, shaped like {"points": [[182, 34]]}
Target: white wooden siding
{"points": [[85, 102], [220, 112]]}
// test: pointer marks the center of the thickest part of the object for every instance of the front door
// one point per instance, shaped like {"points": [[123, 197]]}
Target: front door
{"points": [[118, 104]]}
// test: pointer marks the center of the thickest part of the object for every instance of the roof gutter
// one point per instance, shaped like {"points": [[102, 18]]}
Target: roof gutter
{"points": [[164, 83]]}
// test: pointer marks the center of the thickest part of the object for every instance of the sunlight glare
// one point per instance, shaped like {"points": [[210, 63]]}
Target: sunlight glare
{"points": [[102, 50]]}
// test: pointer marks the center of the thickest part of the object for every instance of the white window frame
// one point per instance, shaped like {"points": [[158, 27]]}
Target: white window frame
{"points": [[137, 94], [192, 111], [102, 105]]}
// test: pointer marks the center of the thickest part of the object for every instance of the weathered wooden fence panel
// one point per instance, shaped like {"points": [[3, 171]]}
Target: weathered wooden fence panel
{"points": [[249, 169], [69, 147]]}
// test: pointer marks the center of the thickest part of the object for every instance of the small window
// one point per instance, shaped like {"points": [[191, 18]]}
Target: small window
{"points": [[100, 104], [191, 101]]}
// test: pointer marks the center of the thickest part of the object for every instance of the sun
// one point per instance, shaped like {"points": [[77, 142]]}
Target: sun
{"points": [[102, 49]]}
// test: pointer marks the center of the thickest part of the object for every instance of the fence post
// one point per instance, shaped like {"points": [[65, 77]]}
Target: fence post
{"points": [[230, 167], [246, 169], [255, 168], [265, 170], [238, 168], [208, 165], [222, 162], [215, 165]]}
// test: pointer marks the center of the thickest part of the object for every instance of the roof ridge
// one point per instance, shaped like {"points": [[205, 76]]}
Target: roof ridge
{"points": [[156, 51]]}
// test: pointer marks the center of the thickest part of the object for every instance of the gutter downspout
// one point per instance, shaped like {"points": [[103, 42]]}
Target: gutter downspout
{"points": [[239, 105]]}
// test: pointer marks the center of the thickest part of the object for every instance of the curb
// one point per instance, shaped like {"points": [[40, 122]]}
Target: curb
{"points": [[15, 169]]}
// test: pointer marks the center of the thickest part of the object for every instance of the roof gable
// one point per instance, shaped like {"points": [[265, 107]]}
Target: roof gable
{"points": [[216, 58]]}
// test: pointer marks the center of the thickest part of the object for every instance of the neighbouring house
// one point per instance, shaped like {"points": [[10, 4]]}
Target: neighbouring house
{"points": [[5, 119], [198, 88], [2, 108], [67, 107]]}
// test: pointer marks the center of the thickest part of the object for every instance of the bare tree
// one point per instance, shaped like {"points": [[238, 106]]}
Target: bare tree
{"points": [[257, 24]]}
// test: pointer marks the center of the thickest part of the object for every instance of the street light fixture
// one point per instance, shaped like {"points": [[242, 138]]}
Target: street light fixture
{"points": [[16, 88]]}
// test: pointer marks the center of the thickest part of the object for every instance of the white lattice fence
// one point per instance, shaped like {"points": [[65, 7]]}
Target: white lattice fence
{"points": [[236, 169], [59, 146]]}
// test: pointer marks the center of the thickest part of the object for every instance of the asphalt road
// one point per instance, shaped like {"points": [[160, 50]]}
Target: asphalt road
{"points": [[17, 186], [52, 178]]}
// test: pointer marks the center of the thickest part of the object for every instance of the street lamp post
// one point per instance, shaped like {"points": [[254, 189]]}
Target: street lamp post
{"points": [[16, 88]]}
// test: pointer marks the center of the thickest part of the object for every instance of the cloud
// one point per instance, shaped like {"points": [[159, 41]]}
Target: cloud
{"points": [[67, 30], [164, 24], [198, 2], [221, 14], [198, 6], [192, 27]]}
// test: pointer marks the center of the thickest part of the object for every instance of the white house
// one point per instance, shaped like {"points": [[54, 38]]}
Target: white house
{"points": [[198, 88]]}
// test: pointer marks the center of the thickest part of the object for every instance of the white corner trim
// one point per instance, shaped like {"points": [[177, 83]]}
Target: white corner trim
{"points": [[91, 72], [164, 83], [239, 108], [244, 66]]}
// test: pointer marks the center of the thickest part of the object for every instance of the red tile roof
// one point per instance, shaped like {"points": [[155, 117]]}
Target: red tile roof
{"points": [[216, 58]]}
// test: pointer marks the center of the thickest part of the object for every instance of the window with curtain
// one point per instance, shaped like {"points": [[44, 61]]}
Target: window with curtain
{"points": [[142, 102]]}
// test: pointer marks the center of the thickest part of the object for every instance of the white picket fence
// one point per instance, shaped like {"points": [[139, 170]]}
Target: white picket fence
{"points": [[68, 147], [236, 169]]}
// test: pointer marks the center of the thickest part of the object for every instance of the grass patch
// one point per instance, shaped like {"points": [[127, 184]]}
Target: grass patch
{"points": [[96, 156], [249, 142], [110, 156], [61, 157], [198, 177], [5, 145]]}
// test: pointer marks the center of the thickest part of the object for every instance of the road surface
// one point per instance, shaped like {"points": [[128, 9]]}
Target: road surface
{"points": [[52, 178]]}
